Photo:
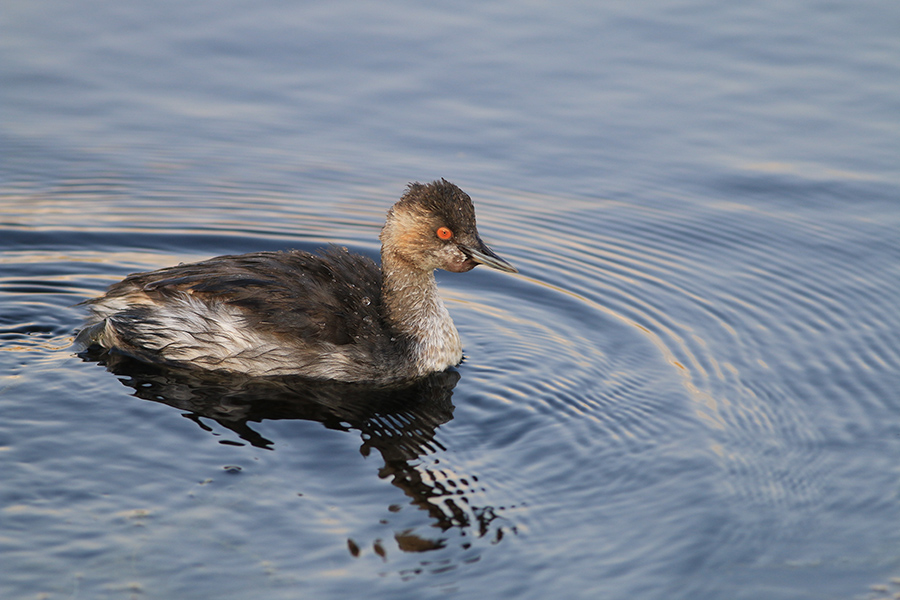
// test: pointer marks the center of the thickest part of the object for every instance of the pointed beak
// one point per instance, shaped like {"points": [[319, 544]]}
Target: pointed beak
{"points": [[485, 256]]}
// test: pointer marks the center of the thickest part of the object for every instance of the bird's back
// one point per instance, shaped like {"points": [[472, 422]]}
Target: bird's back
{"points": [[261, 313]]}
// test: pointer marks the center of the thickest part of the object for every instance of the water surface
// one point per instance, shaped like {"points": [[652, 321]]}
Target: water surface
{"points": [[689, 391]]}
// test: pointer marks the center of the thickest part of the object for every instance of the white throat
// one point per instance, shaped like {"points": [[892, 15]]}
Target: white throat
{"points": [[415, 308]]}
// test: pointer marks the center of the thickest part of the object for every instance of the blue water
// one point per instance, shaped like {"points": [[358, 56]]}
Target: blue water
{"points": [[689, 391]]}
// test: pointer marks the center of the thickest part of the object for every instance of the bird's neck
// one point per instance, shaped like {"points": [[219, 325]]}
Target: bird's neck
{"points": [[414, 308]]}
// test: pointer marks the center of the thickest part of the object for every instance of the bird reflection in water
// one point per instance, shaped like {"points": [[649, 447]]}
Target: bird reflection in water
{"points": [[399, 421]]}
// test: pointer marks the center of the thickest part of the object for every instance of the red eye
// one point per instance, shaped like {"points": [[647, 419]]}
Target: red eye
{"points": [[444, 233]]}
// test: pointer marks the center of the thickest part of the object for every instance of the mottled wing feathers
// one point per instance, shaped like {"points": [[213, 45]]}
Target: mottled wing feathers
{"points": [[333, 298]]}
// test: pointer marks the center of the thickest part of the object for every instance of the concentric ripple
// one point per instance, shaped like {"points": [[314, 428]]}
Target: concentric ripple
{"points": [[781, 326]]}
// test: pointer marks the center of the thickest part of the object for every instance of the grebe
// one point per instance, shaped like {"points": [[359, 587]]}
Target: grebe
{"points": [[335, 316]]}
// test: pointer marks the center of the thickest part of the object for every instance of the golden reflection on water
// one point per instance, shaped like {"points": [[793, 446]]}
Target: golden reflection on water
{"points": [[807, 170]]}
